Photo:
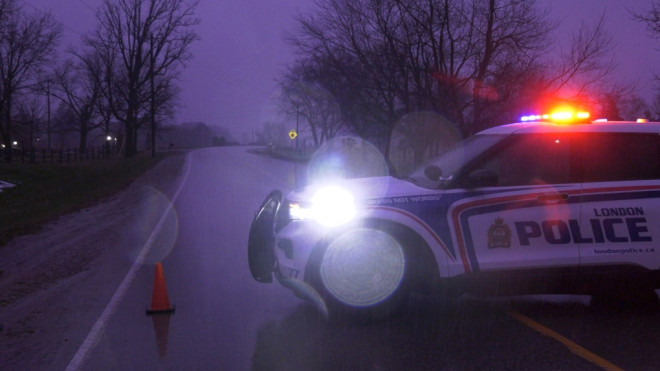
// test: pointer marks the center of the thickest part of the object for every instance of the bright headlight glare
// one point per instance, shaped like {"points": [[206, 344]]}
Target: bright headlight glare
{"points": [[298, 211], [331, 206]]}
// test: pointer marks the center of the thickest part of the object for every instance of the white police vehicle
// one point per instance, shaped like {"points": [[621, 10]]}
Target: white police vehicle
{"points": [[540, 206]]}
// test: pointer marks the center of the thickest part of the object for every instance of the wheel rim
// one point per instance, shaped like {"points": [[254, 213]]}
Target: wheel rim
{"points": [[363, 267]]}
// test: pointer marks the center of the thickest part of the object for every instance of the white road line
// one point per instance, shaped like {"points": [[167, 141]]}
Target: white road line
{"points": [[93, 337]]}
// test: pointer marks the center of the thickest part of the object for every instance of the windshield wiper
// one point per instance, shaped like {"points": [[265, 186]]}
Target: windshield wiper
{"points": [[409, 178]]}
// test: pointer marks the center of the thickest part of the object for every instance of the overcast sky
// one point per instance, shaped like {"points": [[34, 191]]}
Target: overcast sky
{"points": [[230, 81]]}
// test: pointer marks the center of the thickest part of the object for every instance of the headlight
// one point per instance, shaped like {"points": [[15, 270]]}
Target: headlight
{"points": [[331, 206]]}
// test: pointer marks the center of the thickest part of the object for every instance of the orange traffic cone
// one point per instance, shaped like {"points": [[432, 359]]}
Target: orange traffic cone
{"points": [[160, 302]]}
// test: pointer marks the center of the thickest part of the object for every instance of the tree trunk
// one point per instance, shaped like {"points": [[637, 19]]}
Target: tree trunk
{"points": [[83, 140], [7, 122], [478, 92], [130, 149]]}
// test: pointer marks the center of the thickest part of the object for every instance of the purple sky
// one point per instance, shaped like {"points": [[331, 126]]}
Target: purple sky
{"points": [[230, 83]]}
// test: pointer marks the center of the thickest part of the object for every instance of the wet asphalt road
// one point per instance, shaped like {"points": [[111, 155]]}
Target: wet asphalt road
{"points": [[224, 320]]}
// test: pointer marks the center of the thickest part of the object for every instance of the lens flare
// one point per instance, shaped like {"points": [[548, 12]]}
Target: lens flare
{"points": [[344, 158], [363, 267], [419, 136], [152, 207]]}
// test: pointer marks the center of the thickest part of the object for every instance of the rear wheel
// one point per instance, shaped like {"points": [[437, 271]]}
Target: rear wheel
{"points": [[643, 300], [261, 239]]}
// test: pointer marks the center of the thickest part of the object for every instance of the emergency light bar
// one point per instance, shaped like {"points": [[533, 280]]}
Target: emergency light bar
{"points": [[558, 116]]}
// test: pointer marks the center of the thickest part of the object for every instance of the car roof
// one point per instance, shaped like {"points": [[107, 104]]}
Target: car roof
{"points": [[595, 126]]}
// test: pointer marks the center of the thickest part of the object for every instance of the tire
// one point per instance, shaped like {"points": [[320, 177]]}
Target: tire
{"points": [[631, 291], [262, 238], [634, 301], [363, 273]]}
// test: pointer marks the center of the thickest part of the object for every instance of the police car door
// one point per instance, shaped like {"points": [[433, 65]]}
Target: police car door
{"points": [[522, 207], [621, 201]]}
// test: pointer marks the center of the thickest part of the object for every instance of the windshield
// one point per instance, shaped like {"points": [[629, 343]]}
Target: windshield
{"points": [[448, 164]]}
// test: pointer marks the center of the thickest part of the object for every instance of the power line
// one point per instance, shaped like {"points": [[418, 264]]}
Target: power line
{"points": [[42, 11], [87, 5]]}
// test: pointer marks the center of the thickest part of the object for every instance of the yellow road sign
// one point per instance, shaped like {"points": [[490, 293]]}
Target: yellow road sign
{"points": [[293, 134]]}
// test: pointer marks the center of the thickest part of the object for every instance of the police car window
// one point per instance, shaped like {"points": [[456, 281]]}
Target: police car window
{"points": [[621, 157], [531, 159], [451, 162]]}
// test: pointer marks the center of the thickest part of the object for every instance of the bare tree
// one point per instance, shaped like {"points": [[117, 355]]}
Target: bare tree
{"points": [[141, 41], [273, 134], [27, 43], [587, 62], [421, 134], [622, 103], [29, 119], [345, 41], [101, 64], [76, 85], [474, 62], [654, 109], [651, 17], [308, 102]]}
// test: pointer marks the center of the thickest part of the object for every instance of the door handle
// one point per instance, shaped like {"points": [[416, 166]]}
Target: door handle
{"points": [[553, 197]]}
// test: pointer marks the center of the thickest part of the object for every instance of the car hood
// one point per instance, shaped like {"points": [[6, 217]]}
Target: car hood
{"points": [[364, 189]]}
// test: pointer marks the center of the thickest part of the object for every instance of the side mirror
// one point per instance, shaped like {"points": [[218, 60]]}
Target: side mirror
{"points": [[433, 172], [482, 178]]}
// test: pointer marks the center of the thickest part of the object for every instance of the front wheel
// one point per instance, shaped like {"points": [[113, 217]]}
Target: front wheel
{"points": [[363, 274]]}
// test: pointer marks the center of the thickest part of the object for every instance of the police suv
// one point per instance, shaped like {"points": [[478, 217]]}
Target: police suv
{"points": [[552, 204]]}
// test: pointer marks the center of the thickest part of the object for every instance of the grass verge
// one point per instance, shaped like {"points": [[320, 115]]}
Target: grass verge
{"points": [[46, 191]]}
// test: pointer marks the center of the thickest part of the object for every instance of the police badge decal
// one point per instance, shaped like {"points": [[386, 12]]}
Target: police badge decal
{"points": [[499, 235]]}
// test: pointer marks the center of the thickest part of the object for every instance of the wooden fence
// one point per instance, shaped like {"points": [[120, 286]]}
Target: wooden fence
{"points": [[60, 156]]}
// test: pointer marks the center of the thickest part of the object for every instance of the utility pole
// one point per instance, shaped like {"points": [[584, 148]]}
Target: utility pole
{"points": [[153, 99], [297, 129], [296, 178], [48, 107]]}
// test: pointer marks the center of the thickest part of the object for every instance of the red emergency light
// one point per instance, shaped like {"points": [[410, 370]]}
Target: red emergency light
{"points": [[561, 115]]}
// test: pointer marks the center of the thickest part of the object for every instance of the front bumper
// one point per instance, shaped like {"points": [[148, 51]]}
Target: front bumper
{"points": [[293, 248], [294, 245], [304, 291]]}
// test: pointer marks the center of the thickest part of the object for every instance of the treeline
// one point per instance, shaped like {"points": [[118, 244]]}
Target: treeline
{"points": [[124, 71], [422, 71]]}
